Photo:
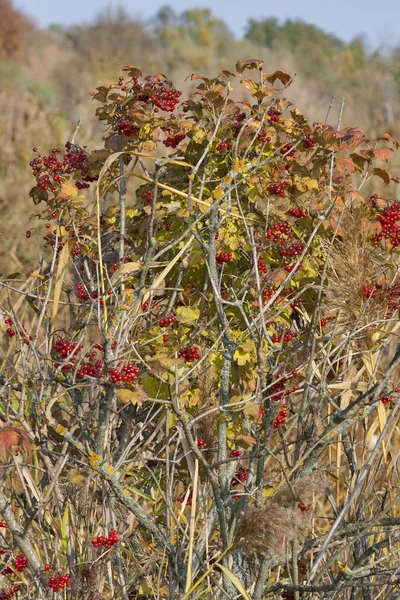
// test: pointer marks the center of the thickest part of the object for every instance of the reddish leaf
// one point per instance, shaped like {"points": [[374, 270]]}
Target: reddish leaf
{"points": [[13, 438], [283, 77], [101, 94], [253, 64], [356, 196], [359, 161], [133, 71], [226, 73], [389, 138], [345, 166], [382, 153], [38, 195], [385, 176], [349, 133]]}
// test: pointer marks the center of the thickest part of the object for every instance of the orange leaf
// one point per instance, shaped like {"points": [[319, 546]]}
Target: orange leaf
{"points": [[345, 166], [11, 438], [242, 65], [283, 77]]}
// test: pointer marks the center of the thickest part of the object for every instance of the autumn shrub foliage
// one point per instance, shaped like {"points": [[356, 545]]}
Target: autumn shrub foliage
{"points": [[199, 394]]}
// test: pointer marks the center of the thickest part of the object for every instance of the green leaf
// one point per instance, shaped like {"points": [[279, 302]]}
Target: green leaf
{"points": [[140, 493], [64, 530]]}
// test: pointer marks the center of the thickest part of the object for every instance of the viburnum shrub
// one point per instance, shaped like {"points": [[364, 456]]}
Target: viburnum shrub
{"points": [[204, 354]]}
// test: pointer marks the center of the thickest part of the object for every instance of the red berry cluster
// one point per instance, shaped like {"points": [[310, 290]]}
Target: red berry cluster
{"points": [[106, 542], [123, 85], [263, 137], [296, 302], [201, 444], [6, 571], [295, 249], [3, 524], [261, 266], [76, 250], [147, 196], [371, 291], [181, 499], [374, 198], [167, 321], [267, 294], [20, 563], [392, 295], [189, 354], [224, 147], [309, 142], [304, 507], [81, 292], [325, 320], [10, 332], [281, 417], [278, 189], [125, 127], [274, 115], [51, 239], [385, 398], [390, 230], [278, 389], [235, 453], [299, 213], [286, 337], [60, 582], [166, 99], [147, 305], [10, 594], [174, 140], [240, 476], [66, 348], [49, 171], [127, 374], [223, 257], [90, 370], [239, 118], [277, 230], [287, 149]]}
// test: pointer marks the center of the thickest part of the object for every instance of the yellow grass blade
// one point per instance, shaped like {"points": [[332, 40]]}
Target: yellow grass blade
{"points": [[189, 575], [236, 582], [61, 270]]}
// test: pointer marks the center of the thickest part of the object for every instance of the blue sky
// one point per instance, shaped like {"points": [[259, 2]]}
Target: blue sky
{"points": [[378, 22]]}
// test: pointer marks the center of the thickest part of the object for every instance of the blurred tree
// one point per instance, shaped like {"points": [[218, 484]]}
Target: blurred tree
{"points": [[299, 38], [195, 39], [114, 38], [13, 26]]}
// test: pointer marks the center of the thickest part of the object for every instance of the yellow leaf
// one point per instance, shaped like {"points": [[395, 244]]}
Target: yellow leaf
{"points": [[76, 477], [163, 362], [135, 396], [218, 193], [186, 314], [171, 420], [126, 269], [68, 190]]}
